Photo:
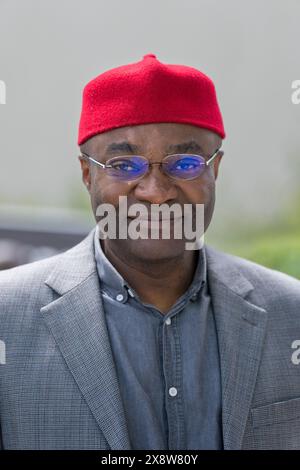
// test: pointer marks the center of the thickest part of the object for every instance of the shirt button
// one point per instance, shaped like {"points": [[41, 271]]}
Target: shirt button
{"points": [[168, 321], [120, 297], [173, 391], [130, 293]]}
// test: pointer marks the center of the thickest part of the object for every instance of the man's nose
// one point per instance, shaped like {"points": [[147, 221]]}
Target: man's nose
{"points": [[155, 187]]}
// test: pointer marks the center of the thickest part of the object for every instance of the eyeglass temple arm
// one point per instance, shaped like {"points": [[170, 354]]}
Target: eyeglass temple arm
{"points": [[213, 156], [92, 160]]}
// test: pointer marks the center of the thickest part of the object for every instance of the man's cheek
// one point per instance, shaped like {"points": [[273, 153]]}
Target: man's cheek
{"points": [[202, 194], [208, 191], [106, 195], [103, 193]]}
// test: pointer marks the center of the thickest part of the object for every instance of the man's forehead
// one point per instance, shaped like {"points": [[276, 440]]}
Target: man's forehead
{"points": [[169, 135]]}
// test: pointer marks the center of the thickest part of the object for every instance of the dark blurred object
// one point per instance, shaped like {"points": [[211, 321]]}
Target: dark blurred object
{"points": [[14, 253], [29, 236]]}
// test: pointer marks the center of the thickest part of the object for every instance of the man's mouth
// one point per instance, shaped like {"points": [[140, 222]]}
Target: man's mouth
{"points": [[152, 220]]}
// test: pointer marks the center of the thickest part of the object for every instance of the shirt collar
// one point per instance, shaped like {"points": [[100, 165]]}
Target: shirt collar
{"points": [[111, 280], [116, 286]]}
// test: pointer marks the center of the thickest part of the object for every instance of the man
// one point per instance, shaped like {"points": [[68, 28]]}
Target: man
{"points": [[140, 343]]}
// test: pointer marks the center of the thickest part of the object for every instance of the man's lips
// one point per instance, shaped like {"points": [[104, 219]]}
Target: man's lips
{"points": [[149, 219]]}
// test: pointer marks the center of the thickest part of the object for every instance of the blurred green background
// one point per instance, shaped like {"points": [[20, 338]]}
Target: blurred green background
{"points": [[274, 244]]}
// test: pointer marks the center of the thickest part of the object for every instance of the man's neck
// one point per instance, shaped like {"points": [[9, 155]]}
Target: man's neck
{"points": [[159, 283]]}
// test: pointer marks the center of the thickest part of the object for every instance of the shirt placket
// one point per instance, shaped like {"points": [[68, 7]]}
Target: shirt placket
{"points": [[172, 367]]}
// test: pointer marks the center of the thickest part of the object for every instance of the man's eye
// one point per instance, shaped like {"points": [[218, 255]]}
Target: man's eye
{"points": [[125, 166], [186, 165]]}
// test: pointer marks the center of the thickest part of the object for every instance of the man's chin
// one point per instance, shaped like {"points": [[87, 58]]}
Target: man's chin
{"points": [[152, 249]]}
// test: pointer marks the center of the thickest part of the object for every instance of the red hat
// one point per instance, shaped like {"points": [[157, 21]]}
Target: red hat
{"points": [[149, 91]]}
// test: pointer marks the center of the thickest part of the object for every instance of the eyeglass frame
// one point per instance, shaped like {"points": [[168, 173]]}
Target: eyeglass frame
{"points": [[104, 165]]}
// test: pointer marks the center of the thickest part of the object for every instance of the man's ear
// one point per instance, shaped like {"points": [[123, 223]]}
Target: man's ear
{"points": [[86, 173], [217, 163]]}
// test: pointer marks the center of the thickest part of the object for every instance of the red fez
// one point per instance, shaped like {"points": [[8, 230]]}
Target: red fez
{"points": [[149, 91]]}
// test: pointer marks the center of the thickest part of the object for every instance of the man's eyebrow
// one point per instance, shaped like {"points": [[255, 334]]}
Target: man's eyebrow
{"points": [[127, 147], [185, 146], [121, 147]]}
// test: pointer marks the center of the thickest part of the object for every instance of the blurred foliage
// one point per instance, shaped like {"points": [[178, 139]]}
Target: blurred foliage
{"points": [[79, 198], [276, 245], [280, 252]]}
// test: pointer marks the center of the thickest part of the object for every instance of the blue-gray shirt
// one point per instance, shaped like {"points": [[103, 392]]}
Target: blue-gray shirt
{"points": [[167, 363]]}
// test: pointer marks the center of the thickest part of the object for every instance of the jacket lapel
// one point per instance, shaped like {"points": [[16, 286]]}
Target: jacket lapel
{"points": [[241, 329], [76, 320]]}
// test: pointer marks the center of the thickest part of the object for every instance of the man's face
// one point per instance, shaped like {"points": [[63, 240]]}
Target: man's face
{"points": [[154, 141]]}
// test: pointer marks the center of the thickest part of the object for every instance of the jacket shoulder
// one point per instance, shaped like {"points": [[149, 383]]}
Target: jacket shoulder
{"points": [[23, 287], [20, 275], [263, 279], [27, 284], [37, 271]]}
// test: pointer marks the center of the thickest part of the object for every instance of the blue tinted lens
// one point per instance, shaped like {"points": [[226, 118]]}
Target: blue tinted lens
{"points": [[184, 166], [127, 168]]}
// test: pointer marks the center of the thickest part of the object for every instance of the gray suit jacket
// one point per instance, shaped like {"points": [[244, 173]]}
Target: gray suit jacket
{"points": [[59, 388]]}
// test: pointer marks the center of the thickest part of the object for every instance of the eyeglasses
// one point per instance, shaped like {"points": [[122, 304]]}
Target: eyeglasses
{"points": [[133, 167]]}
